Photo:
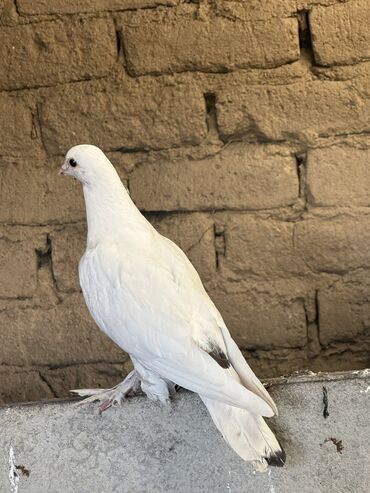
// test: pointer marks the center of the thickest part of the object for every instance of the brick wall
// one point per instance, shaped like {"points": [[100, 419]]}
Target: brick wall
{"points": [[242, 129]]}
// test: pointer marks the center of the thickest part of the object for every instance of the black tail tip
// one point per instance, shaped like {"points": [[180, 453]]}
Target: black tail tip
{"points": [[277, 459]]}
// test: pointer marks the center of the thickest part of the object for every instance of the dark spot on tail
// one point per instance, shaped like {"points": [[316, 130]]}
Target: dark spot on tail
{"points": [[277, 459], [220, 357]]}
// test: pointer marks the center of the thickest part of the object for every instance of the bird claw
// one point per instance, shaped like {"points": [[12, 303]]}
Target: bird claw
{"points": [[105, 405], [109, 397]]}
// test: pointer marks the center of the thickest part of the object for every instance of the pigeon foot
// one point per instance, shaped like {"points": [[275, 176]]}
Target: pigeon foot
{"points": [[110, 397]]}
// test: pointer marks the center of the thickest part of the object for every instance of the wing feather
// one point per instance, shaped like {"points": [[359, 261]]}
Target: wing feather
{"points": [[246, 374], [155, 307]]}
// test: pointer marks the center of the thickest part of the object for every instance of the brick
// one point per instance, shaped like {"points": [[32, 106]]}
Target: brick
{"points": [[65, 334], [239, 177], [309, 4], [48, 53], [193, 233], [161, 41], [331, 178], [15, 121], [22, 386], [334, 245], [68, 245], [38, 195], [262, 321], [256, 10], [341, 72], [340, 33], [2, 8], [84, 376], [8, 13], [36, 7], [140, 114], [18, 265], [258, 248], [299, 111], [344, 312]]}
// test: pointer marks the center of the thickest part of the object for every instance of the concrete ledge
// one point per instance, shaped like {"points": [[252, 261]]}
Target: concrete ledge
{"points": [[143, 447]]}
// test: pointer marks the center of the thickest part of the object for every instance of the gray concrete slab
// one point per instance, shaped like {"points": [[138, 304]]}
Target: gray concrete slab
{"points": [[144, 447]]}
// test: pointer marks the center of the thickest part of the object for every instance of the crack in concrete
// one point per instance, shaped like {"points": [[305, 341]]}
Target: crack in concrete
{"points": [[325, 400]]}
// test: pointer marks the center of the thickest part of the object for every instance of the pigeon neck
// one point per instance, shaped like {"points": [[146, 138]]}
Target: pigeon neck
{"points": [[110, 211]]}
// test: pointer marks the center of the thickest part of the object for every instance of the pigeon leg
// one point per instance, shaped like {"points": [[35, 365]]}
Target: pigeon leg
{"points": [[109, 397]]}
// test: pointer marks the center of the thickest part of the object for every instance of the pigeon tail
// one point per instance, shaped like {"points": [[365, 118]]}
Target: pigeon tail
{"points": [[247, 434]]}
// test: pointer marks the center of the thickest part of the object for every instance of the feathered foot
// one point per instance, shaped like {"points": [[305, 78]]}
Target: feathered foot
{"points": [[110, 397]]}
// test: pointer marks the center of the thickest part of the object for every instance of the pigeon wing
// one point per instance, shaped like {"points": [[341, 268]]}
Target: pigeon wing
{"points": [[156, 308]]}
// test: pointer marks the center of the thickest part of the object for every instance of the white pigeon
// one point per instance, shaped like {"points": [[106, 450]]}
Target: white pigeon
{"points": [[144, 293]]}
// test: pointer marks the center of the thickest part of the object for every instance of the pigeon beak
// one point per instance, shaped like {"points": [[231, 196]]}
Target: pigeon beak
{"points": [[62, 170]]}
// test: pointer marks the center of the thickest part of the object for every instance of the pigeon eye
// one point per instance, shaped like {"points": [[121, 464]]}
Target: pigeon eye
{"points": [[72, 162]]}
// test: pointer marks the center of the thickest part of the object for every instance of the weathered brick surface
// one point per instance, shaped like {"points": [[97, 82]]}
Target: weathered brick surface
{"points": [[83, 48], [335, 245], [15, 126], [95, 375], [22, 386], [35, 7], [339, 176], [340, 32], [38, 335], [37, 195], [299, 111], [261, 320], [126, 115], [238, 177], [244, 137], [68, 246], [258, 247], [8, 14], [18, 264], [255, 10], [306, 5], [178, 40], [345, 312]]}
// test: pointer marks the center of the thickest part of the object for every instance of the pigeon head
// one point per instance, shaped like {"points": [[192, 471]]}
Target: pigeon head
{"points": [[88, 164]]}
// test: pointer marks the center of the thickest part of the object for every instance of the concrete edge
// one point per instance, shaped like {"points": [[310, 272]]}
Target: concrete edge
{"points": [[310, 376], [304, 376]]}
